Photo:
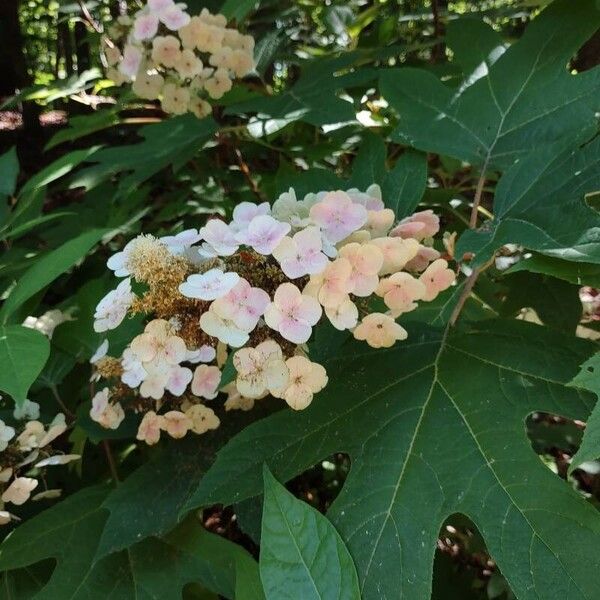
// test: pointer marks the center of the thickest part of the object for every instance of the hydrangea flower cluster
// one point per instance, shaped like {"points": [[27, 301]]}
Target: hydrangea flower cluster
{"points": [[253, 290], [25, 450], [182, 60]]}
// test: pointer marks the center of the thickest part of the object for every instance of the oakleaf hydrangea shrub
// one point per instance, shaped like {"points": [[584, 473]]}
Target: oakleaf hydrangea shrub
{"points": [[25, 452], [254, 289], [182, 60]]}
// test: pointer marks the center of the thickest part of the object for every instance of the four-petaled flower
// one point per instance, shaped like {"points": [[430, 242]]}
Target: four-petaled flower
{"points": [[292, 313]]}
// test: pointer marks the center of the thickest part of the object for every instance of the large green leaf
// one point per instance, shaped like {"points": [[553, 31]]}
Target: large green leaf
{"points": [[23, 354], [539, 203], [555, 301], [314, 97], [524, 100], [149, 501], [578, 273], [589, 379], [521, 105], [170, 142], [9, 171], [47, 268], [154, 568], [302, 555], [436, 426]]}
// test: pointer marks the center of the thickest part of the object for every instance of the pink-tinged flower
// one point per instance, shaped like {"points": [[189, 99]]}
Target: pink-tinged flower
{"points": [[260, 369], [332, 286], [19, 490], [400, 291], [202, 418], [306, 379], [244, 305], [145, 27], [204, 354], [176, 424], [159, 6], [179, 377], [292, 314], [149, 429], [174, 18], [179, 243], [158, 345], [155, 382], [112, 309], [380, 331], [366, 261], [263, 234], [244, 212], [370, 199], [210, 285], [219, 237], [132, 59], [104, 413], [338, 216], [166, 50], [301, 254], [225, 330], [437, 277], [133, 370], [344, 315], [380, 222], [421, 261], [206, 382], [396, 253], [421, 225]]}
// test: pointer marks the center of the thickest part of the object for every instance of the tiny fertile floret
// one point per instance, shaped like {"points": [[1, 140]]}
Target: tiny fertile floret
{"points": [[231, 307]]}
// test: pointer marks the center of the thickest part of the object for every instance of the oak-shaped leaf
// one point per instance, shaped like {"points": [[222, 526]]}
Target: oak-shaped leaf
{"points": [[436, 426], [154, 568]]}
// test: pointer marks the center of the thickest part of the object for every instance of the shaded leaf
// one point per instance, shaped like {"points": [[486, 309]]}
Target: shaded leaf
{"points": [[403, 187], [302, 555], [527, 98], [47, 268], [23, 353], [589, 379]]}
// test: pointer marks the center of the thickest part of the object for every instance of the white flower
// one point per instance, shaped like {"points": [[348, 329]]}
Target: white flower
{"points": [[105, 414], [178, 244], [210, 285], [28, 410], [289, 209], [58, 459], [112, 309], [6, 434], [48, 322], [224, 330], [118, 261], [133, 370], [31, 436], [57, 427], [219, 238], [244, 212], [100, 352], [263, 234], [19, 490]]}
